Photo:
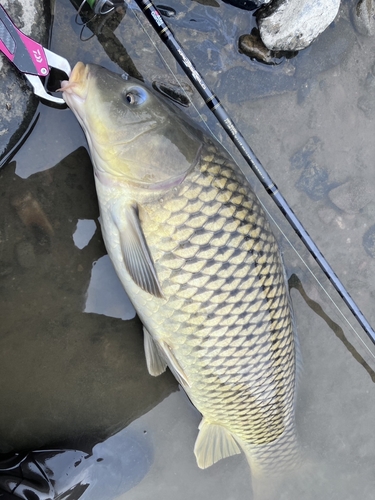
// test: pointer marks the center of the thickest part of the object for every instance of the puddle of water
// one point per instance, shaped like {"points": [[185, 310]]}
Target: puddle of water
{"points": [[72, 363], [84, 232], [105, 294]]}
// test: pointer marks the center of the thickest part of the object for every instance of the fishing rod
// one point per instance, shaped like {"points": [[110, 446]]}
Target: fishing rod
{"points": [[213, 103]]}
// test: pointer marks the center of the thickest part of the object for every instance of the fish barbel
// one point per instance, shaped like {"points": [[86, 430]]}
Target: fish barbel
{"points": [[195, 252]]}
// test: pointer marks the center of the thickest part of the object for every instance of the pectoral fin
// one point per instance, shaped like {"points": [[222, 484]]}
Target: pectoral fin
{"points": [[155, 363], [136, 254], [213, 443]]}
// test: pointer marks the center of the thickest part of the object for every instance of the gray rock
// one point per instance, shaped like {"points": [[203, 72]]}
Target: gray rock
{"points": [[352, 196], [294, 24], [364, 17], [17, 102]]}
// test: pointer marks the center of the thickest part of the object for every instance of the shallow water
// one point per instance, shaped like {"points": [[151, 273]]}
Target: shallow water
{"points": [[72, 364]]}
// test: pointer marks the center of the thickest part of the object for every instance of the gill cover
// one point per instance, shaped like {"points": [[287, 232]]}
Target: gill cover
{"points": [[136, 134]]}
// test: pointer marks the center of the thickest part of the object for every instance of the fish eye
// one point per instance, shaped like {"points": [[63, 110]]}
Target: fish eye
{"points": [[135, 96]]}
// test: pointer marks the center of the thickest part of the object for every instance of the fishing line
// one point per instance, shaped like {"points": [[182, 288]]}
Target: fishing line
{"points": [[213, 103], [320, 284]]}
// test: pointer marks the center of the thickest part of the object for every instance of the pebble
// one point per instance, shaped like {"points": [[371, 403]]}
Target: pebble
{"points": [[31, 213], [293, 24], [368, 241], [352, 196], [253, 47], [364, 17]]}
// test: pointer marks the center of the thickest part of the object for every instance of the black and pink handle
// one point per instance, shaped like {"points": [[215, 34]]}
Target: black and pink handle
{"points": [[27, 55]]}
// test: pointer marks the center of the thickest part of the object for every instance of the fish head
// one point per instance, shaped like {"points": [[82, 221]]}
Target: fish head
{"points": [[133, 133]]}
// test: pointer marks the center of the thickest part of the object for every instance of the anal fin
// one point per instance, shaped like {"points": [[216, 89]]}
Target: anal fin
{"points": [[156, 365], [213, 443]]}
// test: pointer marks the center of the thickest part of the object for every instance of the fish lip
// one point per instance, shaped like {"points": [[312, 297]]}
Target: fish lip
{"points": [[73, 87]]}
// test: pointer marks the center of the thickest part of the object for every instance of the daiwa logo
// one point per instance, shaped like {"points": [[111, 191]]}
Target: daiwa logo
{"points": [[157, 17], [38, 56]]}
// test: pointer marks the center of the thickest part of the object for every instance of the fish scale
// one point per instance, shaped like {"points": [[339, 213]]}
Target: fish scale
{"points": [[227, 277]]}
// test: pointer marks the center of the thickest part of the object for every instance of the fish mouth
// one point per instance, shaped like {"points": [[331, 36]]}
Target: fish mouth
{"points": [[77, 85]]}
